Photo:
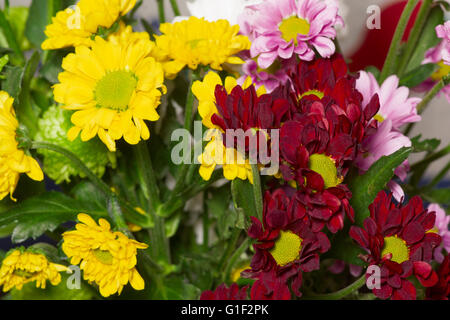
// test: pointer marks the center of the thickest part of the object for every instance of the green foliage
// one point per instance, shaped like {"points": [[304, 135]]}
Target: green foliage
{"points": [[427, 145], [242, 192], [53, 128], [33, 217], [366, 187], [418, 75], [428, 38]]}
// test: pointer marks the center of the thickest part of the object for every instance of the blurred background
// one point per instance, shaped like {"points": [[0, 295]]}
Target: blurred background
{"points": [[436, 119]]}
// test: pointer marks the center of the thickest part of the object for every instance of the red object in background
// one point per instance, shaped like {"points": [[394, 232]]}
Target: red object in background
{"points": [[376, 44]]}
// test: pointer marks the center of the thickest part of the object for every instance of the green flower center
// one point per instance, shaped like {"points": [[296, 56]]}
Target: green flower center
{"points": [[291, 27], [397, 247], [103, 256], [115, 89], [326, 167], [287, 248], [441, 72], [24, 273], [314, 92]]}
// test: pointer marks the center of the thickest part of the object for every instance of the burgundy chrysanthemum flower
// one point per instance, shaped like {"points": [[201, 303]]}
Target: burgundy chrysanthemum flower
{"points": [[441, 290], [399, 239], [270, 286], [323, 137], [286, 244], [222, 292]]}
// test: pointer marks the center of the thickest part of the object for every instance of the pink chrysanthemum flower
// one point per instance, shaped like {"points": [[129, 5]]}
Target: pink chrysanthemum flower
{"points": [[439, 55], [282, 28], [441, 227], [396, 110], [395, 103]]}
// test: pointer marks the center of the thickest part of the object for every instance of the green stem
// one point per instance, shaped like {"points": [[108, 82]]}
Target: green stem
{"points": [[232, 261], [160, 243], [133, 216], [431, 158], [188, 117], [414, 35], [421, 107], [175, 8], [162, 15], [205, 221], [257, 191], [147, 175], [116, 215], [6, 6], [390, 63], [231, 245], [338, 295], [441, 175], [430, 95]]}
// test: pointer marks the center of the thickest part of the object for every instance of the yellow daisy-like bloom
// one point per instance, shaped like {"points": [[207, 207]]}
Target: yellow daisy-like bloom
{"points": [[13, 161], [21, 267], [114, 86], [75, 26], [107, 258], [196, 41], [215, 153]]}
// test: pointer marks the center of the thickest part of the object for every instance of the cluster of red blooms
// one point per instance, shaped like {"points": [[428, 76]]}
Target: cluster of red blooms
{"points": [[322, 126]]}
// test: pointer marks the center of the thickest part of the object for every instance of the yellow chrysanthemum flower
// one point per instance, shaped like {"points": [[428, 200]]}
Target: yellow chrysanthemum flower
{"points": [[76, 26], [13, 161], [21, 267], [233, 162], [196, 42], [107, 258], [114, 86]]}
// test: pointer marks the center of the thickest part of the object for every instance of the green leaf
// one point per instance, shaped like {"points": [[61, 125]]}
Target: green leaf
{"points": [[428, 38], [418, 75], [85, 192], [428, 145], [11, 39], [13, 82], [33, 217], [180, 289], [53, 65], [242, 192], [172, 225], [37, 21], [366, 187]]}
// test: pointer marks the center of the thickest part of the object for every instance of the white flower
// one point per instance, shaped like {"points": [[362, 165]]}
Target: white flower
{"points": [[213, 10]]}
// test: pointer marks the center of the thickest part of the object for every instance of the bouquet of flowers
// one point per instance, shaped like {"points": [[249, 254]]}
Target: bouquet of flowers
{"points": [[227, 155]]}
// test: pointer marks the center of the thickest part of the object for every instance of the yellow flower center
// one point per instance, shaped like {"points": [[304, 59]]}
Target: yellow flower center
{"points": [[379, 118], [103, 256], [441, 72], [287, 248], [397, 247], [325, 166], [291, 27], [115, 89], [314, 92]]}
